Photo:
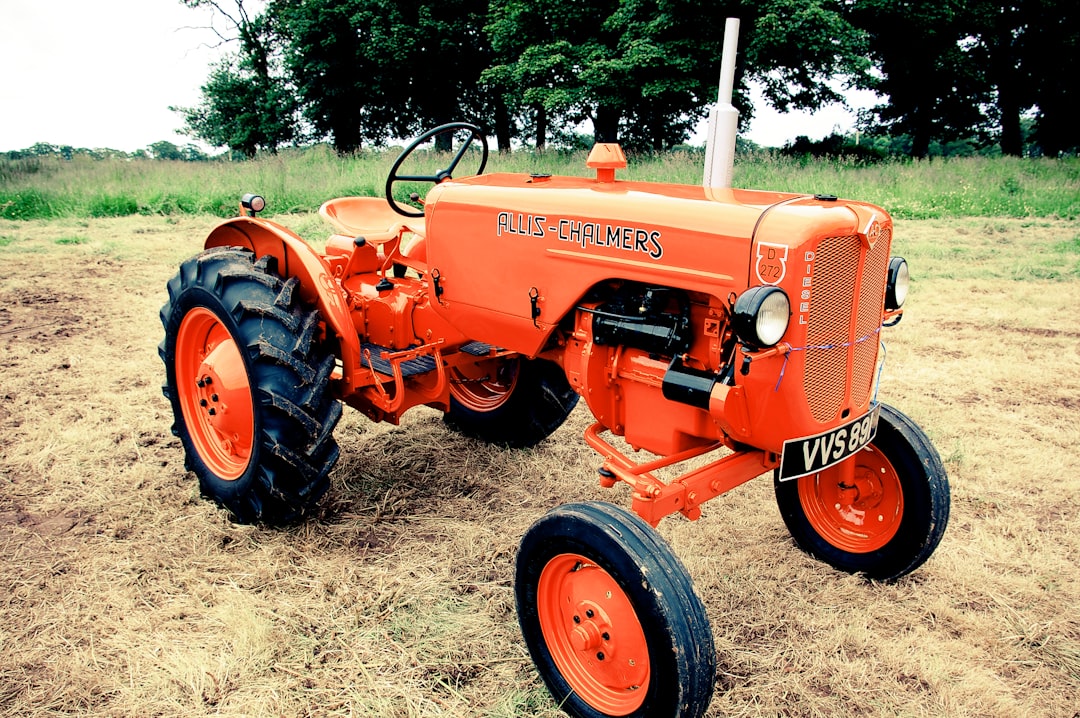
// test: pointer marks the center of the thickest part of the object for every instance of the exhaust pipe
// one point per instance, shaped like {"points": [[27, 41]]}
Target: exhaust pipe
{"points": [[724, 118]]}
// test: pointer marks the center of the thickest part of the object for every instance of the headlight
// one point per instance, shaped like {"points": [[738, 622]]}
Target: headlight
{"points": [[896, 288], [252, 204], [761, 316]]}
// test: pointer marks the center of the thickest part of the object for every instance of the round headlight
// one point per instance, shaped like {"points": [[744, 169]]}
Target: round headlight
{"points": [[761, 316], [896, 289]]}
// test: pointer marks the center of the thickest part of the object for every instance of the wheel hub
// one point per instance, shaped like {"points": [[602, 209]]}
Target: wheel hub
{"points": [[214, 393], [221, 384], [486, 385], [858, 511], [593, 634], [861, 502]]}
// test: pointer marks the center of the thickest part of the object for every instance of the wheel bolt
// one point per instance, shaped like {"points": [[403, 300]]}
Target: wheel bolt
{"points": [[599, 656], [213, 397], [202, 402], [606, 636], [212, 411], [589, 613]]}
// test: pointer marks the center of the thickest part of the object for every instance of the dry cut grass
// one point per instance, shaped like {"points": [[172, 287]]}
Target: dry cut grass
{"points": [[123, 594]]}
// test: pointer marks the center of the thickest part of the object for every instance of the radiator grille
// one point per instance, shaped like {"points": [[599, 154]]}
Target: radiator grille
{"points": [[845, 310], [868, 321]]}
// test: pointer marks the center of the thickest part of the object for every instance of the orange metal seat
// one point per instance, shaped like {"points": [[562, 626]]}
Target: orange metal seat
{"points": [[370, 218]]}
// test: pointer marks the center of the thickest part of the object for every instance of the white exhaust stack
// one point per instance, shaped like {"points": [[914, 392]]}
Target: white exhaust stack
{"points": [[724, 118]]}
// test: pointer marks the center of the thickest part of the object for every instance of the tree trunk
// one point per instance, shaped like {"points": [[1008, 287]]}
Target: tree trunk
{"points": [[1012, 139], [606, 124], [920, 128], [347, 136], [920, 145], [541, 126], [504, 127], [1054, 129], [444, 142], [1009, 103]]}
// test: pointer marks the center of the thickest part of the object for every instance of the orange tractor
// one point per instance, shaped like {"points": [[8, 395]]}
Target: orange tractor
{"points": [[736, 328]]}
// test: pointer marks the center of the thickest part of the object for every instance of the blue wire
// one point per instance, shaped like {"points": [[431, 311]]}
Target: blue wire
{"points": [[834, 346]]}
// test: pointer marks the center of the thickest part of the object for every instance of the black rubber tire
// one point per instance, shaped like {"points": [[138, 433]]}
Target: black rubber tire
{"points": [[682, 659], [288, 371], [924, 487], [538, 404]]}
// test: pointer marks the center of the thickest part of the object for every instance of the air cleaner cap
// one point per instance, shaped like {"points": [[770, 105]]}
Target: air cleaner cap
{"points": [[605, 158]]}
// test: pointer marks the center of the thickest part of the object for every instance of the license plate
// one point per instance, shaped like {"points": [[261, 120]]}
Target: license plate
{"points": [[811, 454]]}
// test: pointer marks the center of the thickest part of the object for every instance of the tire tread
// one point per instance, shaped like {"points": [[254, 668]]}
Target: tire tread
{"points": [[290, 377]]}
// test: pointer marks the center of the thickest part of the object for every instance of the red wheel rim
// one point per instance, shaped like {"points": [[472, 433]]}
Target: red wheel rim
{"points": [[855, 510], [486, 385], [215, 397], [593, 634]]}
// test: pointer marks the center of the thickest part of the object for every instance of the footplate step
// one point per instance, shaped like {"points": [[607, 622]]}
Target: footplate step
{"points": [[477, 349], [409, 367]]}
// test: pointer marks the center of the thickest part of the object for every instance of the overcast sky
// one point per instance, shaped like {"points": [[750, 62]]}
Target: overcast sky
{"points": [[103, 73]]}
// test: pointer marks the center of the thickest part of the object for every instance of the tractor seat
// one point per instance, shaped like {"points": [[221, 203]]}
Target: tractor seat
{"points": [[370, 218]]}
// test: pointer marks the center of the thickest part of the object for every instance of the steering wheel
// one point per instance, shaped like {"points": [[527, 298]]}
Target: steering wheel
{"points": [[440, 176]]}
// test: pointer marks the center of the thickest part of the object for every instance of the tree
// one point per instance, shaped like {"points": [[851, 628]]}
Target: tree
{"points": [[1029, 49], [1050, 49], [643, 71], [935, 87], [981, 68], [253, 32], [540, 48], [42, 149], [1000, 35], [165, 150], [372, 70], [800, 50], [663, 74], [445, 53], [247, 103], [340, 70], [241, 113], [991, 38]]}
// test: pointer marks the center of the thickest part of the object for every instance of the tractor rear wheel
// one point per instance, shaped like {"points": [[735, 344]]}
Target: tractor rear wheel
{"points": [[611, 618], [511, 401], [249, 385], [884, 519]]}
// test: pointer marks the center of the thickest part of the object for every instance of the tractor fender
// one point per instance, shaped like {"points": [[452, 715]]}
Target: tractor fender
{"points": [[296, 258]]}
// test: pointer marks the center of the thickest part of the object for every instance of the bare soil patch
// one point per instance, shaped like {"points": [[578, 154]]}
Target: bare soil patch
{"points": [[122, 593]]}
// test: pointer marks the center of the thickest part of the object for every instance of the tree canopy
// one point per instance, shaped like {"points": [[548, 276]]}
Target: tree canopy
{"points": [[641, 72]]}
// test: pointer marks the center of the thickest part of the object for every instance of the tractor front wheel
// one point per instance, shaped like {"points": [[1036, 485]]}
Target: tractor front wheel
{"points": [[882, 514], [511, 401], [249, 385], [610, 616]]}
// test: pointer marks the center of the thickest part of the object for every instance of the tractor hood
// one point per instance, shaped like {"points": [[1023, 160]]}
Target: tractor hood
{"points": [[514, 253]]}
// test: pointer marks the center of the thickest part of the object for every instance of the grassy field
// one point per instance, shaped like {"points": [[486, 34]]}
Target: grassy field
{"points": [[124, 594], [300, 180]]}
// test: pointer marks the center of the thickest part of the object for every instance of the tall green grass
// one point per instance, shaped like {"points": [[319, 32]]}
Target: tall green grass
{"points": [[300, 180]]}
